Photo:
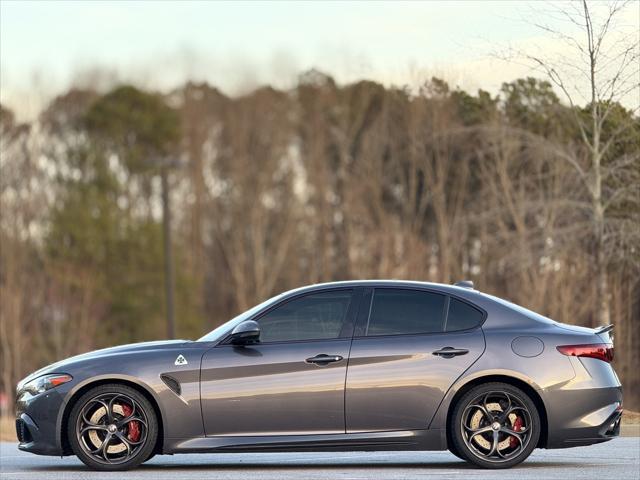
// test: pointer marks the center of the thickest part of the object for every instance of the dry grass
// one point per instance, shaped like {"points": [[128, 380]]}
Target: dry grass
{"points": [[8, 429], [630, 418]]}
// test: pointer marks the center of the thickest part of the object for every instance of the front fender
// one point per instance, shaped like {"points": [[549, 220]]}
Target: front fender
{"points": [[180, 414], [78, 388]]}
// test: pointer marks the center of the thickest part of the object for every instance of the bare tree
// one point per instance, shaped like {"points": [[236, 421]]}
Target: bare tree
{"points": [[253, 210], [601, 69], [22, 209]]}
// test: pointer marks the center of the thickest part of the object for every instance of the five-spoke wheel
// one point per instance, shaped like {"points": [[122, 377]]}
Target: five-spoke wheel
{"points": [[112, 427], [495, 425]]}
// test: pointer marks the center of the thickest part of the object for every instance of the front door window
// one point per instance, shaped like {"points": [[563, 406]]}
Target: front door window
{"points": [[312, 317]]}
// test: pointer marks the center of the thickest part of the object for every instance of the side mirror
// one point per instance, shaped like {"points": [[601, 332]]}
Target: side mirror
{"points": [[246, 332]]}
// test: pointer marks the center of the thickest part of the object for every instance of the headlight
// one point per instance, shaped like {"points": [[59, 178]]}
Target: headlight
{"points": [[45, 382]]}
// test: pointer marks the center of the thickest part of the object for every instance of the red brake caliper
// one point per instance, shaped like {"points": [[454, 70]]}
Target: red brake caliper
{"points": [[517, 426], [133, 427]]}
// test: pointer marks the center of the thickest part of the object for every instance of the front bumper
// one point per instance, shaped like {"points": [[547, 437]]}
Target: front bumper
{"points": [[37, 422]]}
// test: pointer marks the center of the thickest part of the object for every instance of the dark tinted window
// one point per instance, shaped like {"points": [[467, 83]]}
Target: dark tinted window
{"points": [[395, 312], [311, 317], [462, 316]]}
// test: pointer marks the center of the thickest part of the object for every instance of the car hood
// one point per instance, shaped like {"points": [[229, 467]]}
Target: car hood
{"points": [[102, 353]]}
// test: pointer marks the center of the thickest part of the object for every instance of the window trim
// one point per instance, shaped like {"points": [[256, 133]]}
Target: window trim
{"points": [[445, 315], [348, 323], [362, 322]]}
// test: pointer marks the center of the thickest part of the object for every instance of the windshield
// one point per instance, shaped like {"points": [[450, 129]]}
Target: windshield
{"points": [[223, 329]]}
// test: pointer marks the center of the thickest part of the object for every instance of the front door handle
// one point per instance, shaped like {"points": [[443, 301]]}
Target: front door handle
{"points": [[450, 352], [323, 359]]}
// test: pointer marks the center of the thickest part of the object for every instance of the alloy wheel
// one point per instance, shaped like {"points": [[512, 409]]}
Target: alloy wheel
{"points": [[496, 426], [112, 428]]}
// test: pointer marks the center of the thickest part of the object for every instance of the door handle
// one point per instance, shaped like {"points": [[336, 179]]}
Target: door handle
{"points": [[450, 352], [323, 359]]}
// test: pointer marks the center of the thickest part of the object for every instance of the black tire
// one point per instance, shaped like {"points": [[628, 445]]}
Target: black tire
{"points": [[454, 451], [484, 431], [153, 454], [99, 424]]}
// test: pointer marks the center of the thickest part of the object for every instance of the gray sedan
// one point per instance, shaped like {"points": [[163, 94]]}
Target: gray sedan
{"points": [[345, 366]]}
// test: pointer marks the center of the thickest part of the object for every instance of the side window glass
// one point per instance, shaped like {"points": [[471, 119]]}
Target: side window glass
{"points": [[462, 316], [312, 317], [397, 312]]}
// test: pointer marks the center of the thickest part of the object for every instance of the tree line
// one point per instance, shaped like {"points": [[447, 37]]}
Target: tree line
{"points": [[280, 188]]}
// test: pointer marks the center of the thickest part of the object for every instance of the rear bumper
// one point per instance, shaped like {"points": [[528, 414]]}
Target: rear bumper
{"points": [[586, 409], [584, 417], [609, 430]]}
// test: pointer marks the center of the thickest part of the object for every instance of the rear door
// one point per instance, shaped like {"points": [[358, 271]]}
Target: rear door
{"points": [[409, 347], [292, 381]]}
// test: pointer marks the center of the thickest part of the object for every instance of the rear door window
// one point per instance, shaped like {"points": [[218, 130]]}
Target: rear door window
{"points": [[402, 312]]}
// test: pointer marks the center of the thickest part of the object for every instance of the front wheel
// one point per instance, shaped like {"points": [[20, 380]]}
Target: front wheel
{"points": [[495, 425], [112, 427], [455, 451]]}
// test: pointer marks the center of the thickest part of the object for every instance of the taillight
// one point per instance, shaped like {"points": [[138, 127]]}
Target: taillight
{"points": [[601, 351]]}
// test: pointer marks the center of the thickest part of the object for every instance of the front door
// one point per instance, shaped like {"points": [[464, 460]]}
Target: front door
{"points": [[292, 381], [409, 347]]}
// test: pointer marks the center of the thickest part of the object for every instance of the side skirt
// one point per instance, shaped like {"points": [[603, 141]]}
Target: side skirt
{"points": [[370, 441]]}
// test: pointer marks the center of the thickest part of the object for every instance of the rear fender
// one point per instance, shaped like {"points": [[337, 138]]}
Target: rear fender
{"points": [[439, 420]]}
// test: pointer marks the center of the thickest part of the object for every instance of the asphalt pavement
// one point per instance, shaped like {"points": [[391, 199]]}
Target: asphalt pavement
{"points": [[618, 459]]}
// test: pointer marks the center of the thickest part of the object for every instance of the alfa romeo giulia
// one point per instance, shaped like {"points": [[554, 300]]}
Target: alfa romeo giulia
{"points": [[359, 365]]}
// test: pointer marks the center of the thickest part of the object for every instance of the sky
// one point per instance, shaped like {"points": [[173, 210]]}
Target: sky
{"points": [[46, 47]]}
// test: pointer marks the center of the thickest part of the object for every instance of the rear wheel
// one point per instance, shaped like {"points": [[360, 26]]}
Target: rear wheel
{"points": [[112, 427], [150, 456], [495, 425]]}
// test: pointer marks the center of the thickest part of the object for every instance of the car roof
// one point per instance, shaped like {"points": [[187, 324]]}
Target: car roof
{"points": [[462, 291]]}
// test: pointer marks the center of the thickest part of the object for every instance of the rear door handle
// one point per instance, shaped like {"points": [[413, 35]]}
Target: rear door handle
{"points": [[324, 359], [450, 352]]}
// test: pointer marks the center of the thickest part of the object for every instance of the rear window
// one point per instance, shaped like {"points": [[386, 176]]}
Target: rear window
{"points": [[401, 312], [462, 316], [524, 311]]}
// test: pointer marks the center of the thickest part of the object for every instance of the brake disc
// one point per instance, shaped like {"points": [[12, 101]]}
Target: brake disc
{"points": [[93, 434], [475, 424]]}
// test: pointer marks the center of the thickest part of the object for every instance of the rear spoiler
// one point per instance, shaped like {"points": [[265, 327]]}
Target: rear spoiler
{"points": [[604, 329]]}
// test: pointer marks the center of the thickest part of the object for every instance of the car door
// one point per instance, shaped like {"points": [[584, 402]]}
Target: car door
{"points": [[409, 347], [292, 381]]}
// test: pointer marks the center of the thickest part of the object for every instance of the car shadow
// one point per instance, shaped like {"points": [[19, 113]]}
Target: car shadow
{"points": [[274, 466]]}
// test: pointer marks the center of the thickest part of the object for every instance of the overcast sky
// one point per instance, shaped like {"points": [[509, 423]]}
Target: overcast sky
{"points": [[47, 46]]}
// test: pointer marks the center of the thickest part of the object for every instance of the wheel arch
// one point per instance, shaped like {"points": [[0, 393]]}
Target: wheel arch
{"points": [[85, 387], [516, 382]]}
